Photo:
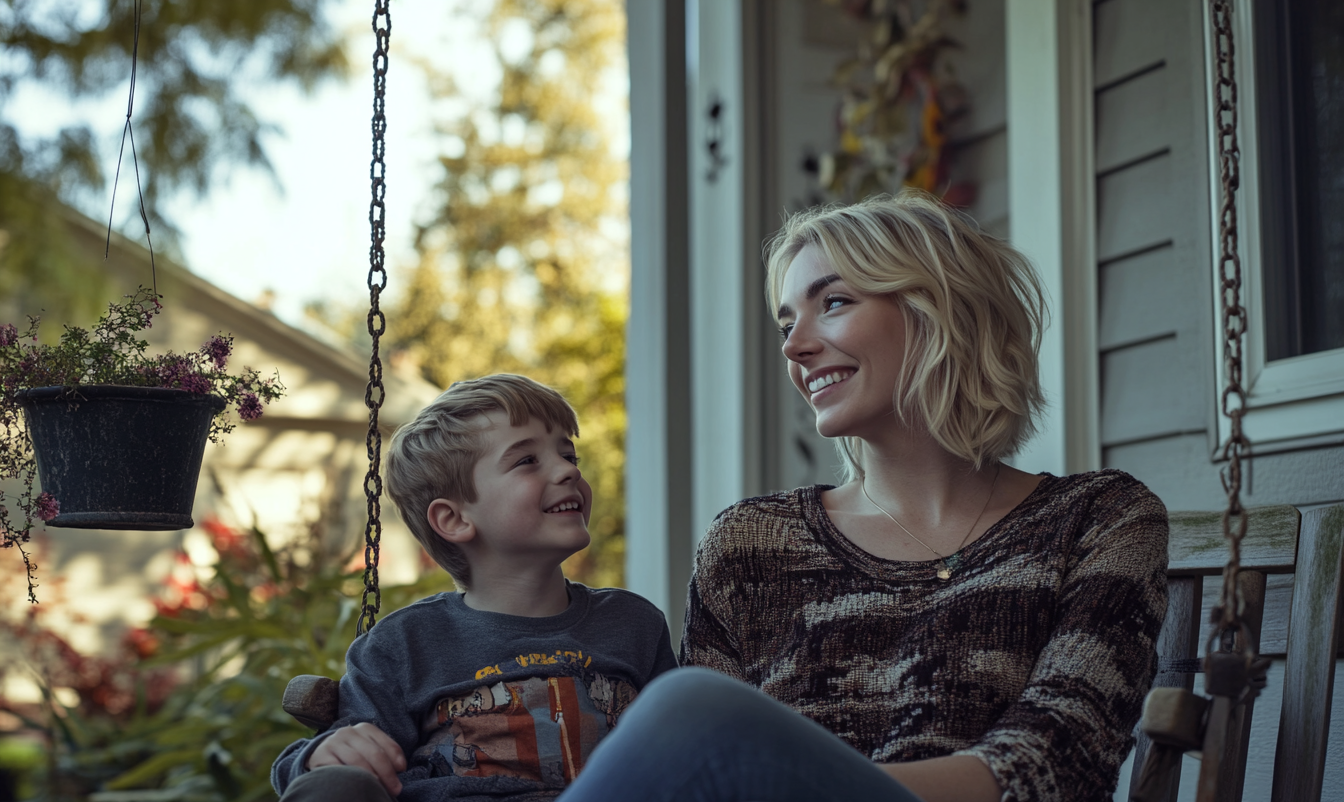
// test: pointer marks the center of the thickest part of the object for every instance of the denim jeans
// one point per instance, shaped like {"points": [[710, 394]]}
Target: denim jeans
{"points": [[694, 735], [336, 784]]}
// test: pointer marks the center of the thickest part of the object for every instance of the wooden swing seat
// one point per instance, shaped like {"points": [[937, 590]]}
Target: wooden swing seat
{"points": [[1293, 570]]}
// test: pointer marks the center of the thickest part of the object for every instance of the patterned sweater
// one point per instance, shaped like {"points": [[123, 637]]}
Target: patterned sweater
{"points": [[1035, 656]]}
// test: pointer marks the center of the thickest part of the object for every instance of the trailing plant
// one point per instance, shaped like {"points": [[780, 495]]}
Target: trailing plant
{"points": [[111, 353], [231, 641], [897, 106]]}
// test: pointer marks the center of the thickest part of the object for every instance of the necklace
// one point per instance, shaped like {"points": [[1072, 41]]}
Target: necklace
{"points": [[943, 570]]}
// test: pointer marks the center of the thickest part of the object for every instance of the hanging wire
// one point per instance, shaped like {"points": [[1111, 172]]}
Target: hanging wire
{"points": [[377, 322], [128, 132], [1233, 402]]}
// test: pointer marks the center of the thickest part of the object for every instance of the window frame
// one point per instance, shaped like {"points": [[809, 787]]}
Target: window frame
{"points": [[1293, 402]]}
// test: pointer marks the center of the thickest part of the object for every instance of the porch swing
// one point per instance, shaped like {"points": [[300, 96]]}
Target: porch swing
{"points": [[1260, 542]]}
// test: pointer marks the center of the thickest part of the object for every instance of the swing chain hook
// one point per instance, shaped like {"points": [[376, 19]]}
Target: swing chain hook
{"points": [[377, 322]]}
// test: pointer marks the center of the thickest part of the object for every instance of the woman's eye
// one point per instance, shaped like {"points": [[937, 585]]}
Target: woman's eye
{"points": [[833, 302], [784, 331]]}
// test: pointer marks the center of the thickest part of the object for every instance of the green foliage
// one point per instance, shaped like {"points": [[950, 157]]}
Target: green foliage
{"points": [[516, 269], [233, 641], [191, 125]]}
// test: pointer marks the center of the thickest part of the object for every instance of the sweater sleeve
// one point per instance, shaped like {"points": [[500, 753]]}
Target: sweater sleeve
{"points": [[706, 639], [363, 698], [1067, 734]]}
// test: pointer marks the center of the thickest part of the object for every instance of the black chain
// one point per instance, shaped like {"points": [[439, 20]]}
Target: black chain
{"points": [[377, 322], [1233, 402]]}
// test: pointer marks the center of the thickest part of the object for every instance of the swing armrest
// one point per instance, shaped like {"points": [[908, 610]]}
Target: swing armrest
{"points": [[313, 701]]}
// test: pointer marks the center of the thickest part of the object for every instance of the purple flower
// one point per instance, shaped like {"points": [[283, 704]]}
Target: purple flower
{"points": [[218, 350], [195, 383], [47, 506], [250, 407], [8, 334]]}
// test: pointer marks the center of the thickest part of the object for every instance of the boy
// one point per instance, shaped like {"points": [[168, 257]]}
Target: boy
{"points": [[501, 690]]}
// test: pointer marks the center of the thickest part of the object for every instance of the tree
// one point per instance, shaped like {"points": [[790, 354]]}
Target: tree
{"points": [[522, 267], [191, 124]]}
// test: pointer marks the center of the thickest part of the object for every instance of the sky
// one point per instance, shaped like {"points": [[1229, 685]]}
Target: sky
{"points": [[302, 235]]}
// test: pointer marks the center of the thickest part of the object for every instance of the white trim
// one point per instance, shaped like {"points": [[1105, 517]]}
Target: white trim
{"points": [[719, 369], [1287, 399], [1051, 201], [658, 431]]}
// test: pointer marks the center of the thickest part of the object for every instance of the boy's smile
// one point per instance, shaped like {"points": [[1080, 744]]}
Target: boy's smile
{"points": [[531, 496]]}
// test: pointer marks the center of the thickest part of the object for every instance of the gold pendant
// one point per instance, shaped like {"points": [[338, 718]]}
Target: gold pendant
{"points": [[944, 573]]}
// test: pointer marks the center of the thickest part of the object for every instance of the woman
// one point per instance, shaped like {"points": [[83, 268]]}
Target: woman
{"points": [[970, 630]]}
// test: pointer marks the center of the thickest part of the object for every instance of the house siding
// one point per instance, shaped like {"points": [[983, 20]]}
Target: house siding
{"points": [[1155, 292]]}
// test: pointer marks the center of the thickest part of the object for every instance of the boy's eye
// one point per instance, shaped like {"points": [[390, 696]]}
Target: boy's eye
{"points": [[573, 458], [528, 460]]}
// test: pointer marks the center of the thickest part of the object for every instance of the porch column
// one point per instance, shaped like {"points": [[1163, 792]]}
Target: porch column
{"points": [[658, 338], [1052, 217]]}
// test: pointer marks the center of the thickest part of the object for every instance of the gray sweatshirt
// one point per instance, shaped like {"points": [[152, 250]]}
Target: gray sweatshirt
{"points": [[489, 706]]}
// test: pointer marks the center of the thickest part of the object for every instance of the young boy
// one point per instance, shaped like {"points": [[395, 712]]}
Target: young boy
{"points": [[501, 690]]}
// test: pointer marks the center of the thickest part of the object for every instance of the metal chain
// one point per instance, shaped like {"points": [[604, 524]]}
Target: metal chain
{"points": [[1233, 402], [377, 322]]}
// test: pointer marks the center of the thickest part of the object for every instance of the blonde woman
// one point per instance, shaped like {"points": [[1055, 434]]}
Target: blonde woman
{"points": [[969, 630]]}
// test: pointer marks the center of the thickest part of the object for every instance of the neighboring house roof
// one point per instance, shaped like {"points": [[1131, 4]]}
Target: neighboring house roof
{"points": [[326, 382]]}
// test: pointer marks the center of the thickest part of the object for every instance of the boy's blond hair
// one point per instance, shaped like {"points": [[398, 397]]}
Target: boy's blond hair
{"points": [[974, 311], [435, 455]]}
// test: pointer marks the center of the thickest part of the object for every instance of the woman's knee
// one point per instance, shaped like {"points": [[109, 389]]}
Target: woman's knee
{"points": [[336, 784], [704, 700]]}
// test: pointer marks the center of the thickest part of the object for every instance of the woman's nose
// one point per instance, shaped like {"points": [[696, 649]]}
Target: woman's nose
{"points": [[800, 343]]}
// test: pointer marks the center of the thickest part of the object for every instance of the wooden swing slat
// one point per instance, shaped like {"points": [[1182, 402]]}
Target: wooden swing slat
{"points": [[1313, 643]]}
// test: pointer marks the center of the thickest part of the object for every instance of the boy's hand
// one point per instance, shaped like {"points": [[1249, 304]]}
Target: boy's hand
{"points": [[367, 747]]}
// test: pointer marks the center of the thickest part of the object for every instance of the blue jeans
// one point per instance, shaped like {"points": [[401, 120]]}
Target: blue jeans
{"points": [[694, 735]]}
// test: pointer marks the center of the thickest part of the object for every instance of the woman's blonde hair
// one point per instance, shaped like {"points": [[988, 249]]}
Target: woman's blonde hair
{"points": [[974, 311]]}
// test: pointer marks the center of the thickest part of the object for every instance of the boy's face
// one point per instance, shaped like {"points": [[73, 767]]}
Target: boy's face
{"points": [[531, 497]]}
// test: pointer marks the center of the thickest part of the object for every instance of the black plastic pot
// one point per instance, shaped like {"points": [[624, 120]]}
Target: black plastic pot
{"points": [[119, 457]]}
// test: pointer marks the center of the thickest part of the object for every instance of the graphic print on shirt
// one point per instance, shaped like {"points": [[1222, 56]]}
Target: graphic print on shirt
{"points": [[541, 729]]}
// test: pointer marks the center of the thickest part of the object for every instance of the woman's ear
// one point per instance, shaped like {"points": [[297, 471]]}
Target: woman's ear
{"points": [[447, 520]]}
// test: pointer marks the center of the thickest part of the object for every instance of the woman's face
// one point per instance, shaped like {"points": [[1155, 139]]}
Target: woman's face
{"points": [[844, 348]]}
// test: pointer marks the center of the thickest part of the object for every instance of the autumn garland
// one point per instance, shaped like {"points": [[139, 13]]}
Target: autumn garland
{"points": [[894, 116]]}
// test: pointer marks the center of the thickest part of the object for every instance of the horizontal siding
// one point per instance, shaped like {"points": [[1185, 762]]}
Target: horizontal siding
{"points": [[978, 66], [1181, 471], [1145, 297], [1141, 207], [1125, 115], [1130, 36], [1145, 392], [984, 162]]}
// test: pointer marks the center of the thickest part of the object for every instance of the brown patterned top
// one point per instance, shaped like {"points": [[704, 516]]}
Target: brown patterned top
{"points": [[1035, 656]]}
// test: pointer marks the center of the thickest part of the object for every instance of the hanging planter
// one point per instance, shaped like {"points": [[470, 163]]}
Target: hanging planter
{"points": [[119, 457], [112, 434]]}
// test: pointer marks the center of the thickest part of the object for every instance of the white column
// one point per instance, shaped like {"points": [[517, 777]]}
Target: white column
{"points": [[1051, 198], [658, 439], [719, 372]]}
